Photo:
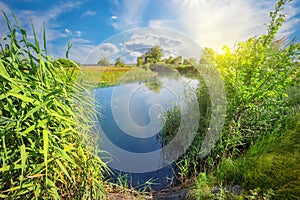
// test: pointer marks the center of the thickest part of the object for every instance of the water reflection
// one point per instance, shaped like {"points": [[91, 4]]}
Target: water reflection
{"points": [[131, 119]]}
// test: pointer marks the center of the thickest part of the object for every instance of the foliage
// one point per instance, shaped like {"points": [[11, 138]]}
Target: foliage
{"points": [[119, 63], [259, 75], [201, 189], [112, 76], [171, 122], [103, 62], [153, 55], [65, 63], [189, 61], [46, 149], [177, 61], [256, 76], [139, 61], [168, 60]]}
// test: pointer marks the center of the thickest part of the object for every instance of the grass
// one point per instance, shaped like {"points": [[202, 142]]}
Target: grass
{"points": [[110, 76], [271, 163], [269, 170], [47, 147]]}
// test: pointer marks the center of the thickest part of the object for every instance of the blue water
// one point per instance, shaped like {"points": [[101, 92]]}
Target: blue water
{"points": [[131, 119]]}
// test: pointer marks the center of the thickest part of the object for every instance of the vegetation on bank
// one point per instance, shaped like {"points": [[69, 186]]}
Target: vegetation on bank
{"points": [[110, 76], [259, 75], [44, 138]]}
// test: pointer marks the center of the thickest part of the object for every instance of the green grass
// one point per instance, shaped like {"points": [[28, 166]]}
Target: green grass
{"points": [[109, 76], [47, 147], [271, 163], [269, 170]]}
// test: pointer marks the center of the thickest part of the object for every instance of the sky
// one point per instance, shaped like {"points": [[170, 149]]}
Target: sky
{"points": [[88, 24]]}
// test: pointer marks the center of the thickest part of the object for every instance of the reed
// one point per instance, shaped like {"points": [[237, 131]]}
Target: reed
{"points": [[46, 149]]}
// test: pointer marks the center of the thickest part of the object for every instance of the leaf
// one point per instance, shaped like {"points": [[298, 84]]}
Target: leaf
{"points": [[10, 167], [53, 188], [65, 155], [63, 169], [46, 143], [22, 97], [62, 118], [35, 175], [23, 159], [36, 109], [29, 129], [42, 123]]}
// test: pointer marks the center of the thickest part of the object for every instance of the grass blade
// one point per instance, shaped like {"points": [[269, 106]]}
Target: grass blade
{"points": [[63, 169], [23, 162], [46, 144]]}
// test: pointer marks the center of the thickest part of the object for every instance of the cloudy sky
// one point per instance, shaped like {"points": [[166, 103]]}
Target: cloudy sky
{"points": [[88, 23]]}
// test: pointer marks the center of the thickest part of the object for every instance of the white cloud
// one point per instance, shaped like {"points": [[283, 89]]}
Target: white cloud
{"points": [[161, 23], [46, 17], [89, 13], [129, 12], [211, 23], [215, 23], [85, 52], [142, 42], [114, 17], [78, 33], [291, 23], [4, 8], [68, 31], [41, 19]]}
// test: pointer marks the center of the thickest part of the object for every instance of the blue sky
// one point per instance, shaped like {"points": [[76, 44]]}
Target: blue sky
{"points": [[87, 23]]}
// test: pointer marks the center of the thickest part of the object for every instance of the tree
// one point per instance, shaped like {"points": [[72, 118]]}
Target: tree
{"points": [[103, 62], [153, 55], [119, 62], [189, 61], [177, 61], [139, 61], [168, 60]]}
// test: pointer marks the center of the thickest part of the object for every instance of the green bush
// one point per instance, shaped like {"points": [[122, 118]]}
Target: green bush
{"points": [[44, 133], [256, 75]]}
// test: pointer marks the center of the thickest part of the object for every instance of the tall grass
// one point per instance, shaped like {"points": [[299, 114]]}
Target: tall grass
{"points": [[271, 164], [44, 146]]}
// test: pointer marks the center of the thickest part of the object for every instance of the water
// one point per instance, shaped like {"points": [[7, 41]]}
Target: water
{"points": [[131, 119]]}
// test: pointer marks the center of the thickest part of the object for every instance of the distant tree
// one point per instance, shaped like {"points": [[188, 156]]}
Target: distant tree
{"points": [[153, 55], [149, 59], [119, 62], [168, 60], [139, 61], [177, 61], [103, 62], [189, 61]]}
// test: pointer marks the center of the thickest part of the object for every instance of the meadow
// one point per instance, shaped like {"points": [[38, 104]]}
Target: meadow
{"points": [[104, 76]]}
